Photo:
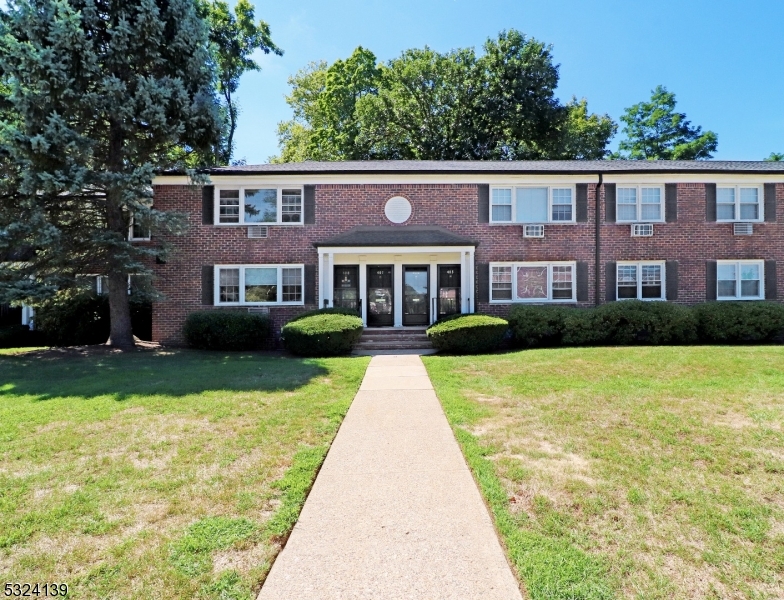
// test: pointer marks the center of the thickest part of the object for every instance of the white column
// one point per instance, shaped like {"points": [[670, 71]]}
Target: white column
{"points": [[322, 290], [463, 285], [471, 274], [27, 316], [330, 276], [398, 282], [363, 288], [433, 287]]}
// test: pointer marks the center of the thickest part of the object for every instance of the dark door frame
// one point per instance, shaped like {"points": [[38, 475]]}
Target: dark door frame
{"points": [[438, 289], [427, 295], [356, 282], [391, 318]]}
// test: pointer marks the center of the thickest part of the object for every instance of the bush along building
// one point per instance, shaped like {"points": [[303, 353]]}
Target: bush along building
{"points": [[406, 243]]}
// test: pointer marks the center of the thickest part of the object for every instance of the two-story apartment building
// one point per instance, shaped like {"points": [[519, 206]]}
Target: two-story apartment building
{"points": [[406, 242]]}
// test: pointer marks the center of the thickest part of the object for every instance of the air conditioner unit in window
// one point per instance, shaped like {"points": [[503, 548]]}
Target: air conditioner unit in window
{"points": [[642, 229], [257, 232], [533, 231], [742, 228], [259, 310]]}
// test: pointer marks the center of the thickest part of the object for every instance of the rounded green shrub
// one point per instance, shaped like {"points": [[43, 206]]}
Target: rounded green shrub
{"points": [[468, 334], [226, 330], [740, 322], [325, 311], [536, 325], [323, 333], [638, 322]]}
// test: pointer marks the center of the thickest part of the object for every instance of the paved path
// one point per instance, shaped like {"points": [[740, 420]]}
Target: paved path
{"points": [[394, 511]]}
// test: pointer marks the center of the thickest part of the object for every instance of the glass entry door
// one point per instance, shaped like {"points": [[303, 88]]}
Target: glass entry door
{"points": [[415, 296], [448, 290], [345, 292], [380, 296]]}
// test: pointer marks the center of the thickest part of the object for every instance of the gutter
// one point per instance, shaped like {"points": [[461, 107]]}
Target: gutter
{"points": [[598, 245]]}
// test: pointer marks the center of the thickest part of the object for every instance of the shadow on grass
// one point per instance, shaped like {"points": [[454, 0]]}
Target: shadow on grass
{"points": [[170, 373]]}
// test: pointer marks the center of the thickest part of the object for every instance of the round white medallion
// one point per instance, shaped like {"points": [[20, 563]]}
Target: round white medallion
{"points": [[397, 209]]}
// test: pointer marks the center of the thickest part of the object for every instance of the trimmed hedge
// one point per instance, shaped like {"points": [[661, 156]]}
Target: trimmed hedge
{"points": [[468, 334], [740, 322], [327, 332], [636, 322], [325, 311], [226, 330]]}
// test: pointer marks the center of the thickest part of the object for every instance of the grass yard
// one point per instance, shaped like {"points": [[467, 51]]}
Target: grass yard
{"points": [[159, 474], [646, 473]]}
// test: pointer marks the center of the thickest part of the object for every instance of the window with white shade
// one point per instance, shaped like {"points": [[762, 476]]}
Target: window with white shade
{"points": [[532, 204], [259, 205], [534, 282], [639, 203], [640, 281], [740, 280], [258, 284], [738, 203]]}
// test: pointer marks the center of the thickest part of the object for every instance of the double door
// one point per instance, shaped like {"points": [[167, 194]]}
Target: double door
{"points": [[415, 296]]}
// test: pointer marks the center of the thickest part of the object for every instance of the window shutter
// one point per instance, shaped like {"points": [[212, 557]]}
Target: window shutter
{"points": [[771, 280], [581, 203], [207, 285], [309, 205], [310, 284], [770, 202], [609, 279], [609, 203], [710, 278], [671, 273], [208, 205], [671, 202], [483, 206], [482, 291], [582, 281], [710, 202]]}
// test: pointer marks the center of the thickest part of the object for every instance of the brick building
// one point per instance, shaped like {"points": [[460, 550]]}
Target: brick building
{"points": [[406, 242]]}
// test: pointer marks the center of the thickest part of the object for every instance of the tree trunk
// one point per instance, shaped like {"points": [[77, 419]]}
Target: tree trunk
{"points": [[120, 331]]}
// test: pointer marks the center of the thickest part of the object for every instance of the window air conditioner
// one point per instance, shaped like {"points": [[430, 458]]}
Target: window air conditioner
{"points": [[642, 229], [742, 228], [257, 232], [533, 231]]}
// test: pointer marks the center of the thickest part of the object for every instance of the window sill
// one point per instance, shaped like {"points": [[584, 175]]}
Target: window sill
{"points": [[740, 221], [258, 304], [662, 221], [542, 301], [744, 299], [539, 223], [262, 224], [641, 299]]}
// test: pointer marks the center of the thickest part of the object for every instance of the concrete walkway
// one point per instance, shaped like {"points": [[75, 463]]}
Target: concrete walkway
{"points": [[394, 512]]}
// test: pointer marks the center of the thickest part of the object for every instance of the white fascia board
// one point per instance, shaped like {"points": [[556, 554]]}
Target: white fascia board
{"points": [[720, 178], [393, 249]]}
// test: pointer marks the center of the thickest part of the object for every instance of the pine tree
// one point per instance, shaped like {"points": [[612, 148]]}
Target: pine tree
{"points": [[98, 96]]}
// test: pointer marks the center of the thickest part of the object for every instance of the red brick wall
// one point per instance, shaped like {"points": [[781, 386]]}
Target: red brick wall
{"points": [[339, 207]]}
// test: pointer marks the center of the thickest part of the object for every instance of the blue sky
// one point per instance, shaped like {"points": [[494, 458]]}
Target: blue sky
{"points": [[724, 59]]}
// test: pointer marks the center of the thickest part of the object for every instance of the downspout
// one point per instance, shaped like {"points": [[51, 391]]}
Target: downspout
{"points": [[598, 247]]}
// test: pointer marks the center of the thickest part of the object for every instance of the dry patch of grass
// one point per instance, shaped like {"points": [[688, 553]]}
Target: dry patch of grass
{"points": [[664, 466], [159, 475]]}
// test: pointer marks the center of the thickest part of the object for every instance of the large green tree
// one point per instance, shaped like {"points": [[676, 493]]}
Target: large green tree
{"points": [[654, 130], [440, 106], [101, 93], [234, 37]]}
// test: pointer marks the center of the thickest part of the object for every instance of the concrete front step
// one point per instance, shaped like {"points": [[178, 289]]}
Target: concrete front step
{"points": [[393, 338]]}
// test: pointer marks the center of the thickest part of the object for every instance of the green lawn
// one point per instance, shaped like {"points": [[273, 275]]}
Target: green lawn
{"points": [[168, 474], [650, 473]]}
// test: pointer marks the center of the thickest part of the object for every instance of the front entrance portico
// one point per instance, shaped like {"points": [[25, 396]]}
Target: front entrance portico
{"points": [[418, 281]]}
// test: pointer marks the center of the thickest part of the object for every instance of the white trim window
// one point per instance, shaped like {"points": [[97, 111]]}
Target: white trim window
{"points": [[259, 285], [639, 203], [138, 232], [533, 282], [740, 280], [532, 204], [273, 205], [640, 281], [739, 203]]}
